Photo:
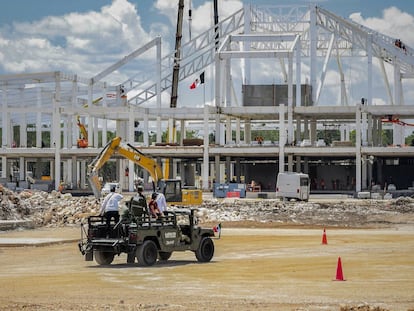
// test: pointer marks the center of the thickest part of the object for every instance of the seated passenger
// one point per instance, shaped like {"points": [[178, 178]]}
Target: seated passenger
{"points": [[153, 207]]}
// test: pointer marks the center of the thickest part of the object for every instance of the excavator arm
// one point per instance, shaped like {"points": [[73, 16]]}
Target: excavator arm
{"points": [[127, 151], [83, 140]]}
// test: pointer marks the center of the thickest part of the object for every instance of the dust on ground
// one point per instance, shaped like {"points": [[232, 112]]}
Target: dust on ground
{"points": [[270, 257]]}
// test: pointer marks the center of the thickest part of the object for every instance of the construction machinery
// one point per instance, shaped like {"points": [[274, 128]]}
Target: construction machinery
{"points": [[83, 140], [171, 188]]}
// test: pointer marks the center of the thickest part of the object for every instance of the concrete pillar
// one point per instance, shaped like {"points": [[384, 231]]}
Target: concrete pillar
{"points": [[183, 132], [364, 175], [247, 132], [205, 168], [228, 130], [290, 162], [237, 170], [217, 168], [298, 129], [282, 138], [306, 128], [228, 169], [358, 177], [82, 174], [370, 129], [312, 134], [306, 165], [3, 167], [298, 164], [238, 131], [22, 169], [146, 130], [74, 172], [364, 129]]}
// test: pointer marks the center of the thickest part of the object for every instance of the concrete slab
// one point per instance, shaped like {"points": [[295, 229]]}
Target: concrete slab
{"points": [[18, 242], [14, 224]]}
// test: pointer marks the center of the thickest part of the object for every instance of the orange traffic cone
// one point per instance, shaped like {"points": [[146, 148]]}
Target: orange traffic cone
{"points": [[324, 239], [339, 274]]}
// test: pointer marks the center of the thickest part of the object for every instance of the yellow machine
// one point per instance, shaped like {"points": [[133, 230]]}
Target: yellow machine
{"points": [[83, 140], [171, 188]]}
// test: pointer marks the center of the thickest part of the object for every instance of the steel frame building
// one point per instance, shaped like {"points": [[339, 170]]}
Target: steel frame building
{"points": [[294, 36]]}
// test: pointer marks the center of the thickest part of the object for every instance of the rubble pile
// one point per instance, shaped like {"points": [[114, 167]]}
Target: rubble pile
{"points": [[45, 209], [57, 209]]}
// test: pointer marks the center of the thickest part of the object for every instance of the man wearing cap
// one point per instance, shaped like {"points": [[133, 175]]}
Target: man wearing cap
{"points": [[138, 200], [110, 207]]}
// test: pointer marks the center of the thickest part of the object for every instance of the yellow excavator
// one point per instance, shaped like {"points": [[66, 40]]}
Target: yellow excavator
{"points": [[171, 188]]}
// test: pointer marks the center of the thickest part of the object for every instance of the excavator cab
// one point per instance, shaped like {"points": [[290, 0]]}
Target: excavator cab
{"points": [[172, 191]]}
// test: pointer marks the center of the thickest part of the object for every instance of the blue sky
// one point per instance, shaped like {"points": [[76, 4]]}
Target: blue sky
{"points": [[86, 36], [29, 10]]}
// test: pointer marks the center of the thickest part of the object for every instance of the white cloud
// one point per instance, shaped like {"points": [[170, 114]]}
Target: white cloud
{"points": [[393, 22], [83, 43]]}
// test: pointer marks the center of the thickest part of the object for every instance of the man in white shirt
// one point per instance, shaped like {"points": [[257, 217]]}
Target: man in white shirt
{"points": [[110, 206], [161, 202]]}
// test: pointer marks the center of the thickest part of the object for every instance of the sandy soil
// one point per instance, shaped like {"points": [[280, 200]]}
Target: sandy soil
{"points": [[281, 268]]}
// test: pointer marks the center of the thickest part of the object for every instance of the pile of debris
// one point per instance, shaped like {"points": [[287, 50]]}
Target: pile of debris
{"points": [[57, 209], [45, 209]]}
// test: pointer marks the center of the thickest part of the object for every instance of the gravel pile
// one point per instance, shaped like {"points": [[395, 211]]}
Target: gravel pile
{"points": [[56, 209]]}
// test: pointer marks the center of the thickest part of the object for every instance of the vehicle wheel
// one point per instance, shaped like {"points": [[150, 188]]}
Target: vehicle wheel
{"points": [[104, 258], [147, 253], [164, 255], [205, 250]]}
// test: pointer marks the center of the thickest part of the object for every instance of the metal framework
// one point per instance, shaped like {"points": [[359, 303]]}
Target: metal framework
{"points": [[295, 36]]}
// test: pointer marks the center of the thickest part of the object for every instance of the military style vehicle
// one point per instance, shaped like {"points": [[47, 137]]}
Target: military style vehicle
{"points": [[145, 238]]}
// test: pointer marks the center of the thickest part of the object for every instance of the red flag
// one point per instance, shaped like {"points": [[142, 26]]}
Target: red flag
{"points": [[197, 82]]}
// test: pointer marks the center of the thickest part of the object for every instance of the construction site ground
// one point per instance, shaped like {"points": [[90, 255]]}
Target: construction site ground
{"points": [[257, 266]]}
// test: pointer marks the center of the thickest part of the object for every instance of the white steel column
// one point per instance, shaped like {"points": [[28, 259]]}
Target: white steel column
{"points": [[5, 120], [39, 117], [228, 83], [205, 169], [313, 37], [131, 139], [228, 130], [245, 62], [282, 138], [3, 167], [238, 129], [290, 162], [290, 100], [146, 128], [22, 169], [369, 69], [358, 148], [55, 142], [95, 129], [298, 73], [397, 83], [364, 129], [217, 97]]}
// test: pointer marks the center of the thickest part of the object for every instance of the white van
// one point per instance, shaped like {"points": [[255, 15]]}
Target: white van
{"points": [[291, 185]]}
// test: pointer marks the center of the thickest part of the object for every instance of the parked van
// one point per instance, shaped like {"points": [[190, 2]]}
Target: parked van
{"points": [[291, 185]]}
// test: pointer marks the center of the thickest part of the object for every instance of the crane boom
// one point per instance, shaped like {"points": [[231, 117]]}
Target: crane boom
{"points": [[177, 55]]}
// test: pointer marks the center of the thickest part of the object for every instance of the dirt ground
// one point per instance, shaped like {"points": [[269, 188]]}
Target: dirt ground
{"points": [[279, 268]]}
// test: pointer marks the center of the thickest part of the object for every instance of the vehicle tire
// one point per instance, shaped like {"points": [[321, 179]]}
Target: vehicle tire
{"points": [[147, 253], [104, 258], [205, 250], [164, 255]]}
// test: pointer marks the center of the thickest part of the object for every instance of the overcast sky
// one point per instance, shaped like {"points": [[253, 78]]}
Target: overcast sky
{"points": [[86, 36]]}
